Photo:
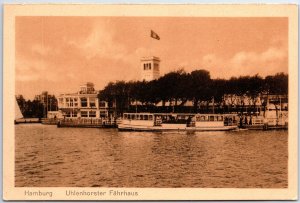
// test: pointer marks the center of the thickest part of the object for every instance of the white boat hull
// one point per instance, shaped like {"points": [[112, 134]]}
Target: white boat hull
{"points": [[174, 128]]}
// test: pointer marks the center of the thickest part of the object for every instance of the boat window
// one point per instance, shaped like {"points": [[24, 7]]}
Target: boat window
{"points": [[220, 118], [133, 117], [150, 117], [229, 117], [125, 116], [211, 118], [145, 117], [216, 118]]}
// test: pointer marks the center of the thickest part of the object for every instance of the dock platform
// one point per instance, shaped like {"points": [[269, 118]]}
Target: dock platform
{"points": [[50, 121], [87, 123], [27, 120]]}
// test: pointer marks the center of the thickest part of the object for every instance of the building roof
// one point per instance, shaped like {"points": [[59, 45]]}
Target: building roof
{"points": [[148, 58]]}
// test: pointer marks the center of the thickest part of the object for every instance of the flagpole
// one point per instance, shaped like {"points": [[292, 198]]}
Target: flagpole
{"points": [[153, 36]]}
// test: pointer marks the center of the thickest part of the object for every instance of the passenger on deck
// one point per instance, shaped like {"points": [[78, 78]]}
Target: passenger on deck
{"points": [[246, 120], [241, 120]]}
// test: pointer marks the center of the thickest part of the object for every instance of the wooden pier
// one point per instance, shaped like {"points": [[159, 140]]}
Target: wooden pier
{"points": [[27, 120], [265, 124], [50, 121]]}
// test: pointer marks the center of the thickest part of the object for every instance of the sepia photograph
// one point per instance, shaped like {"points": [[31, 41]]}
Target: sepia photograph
{"points": [[109, 106]]}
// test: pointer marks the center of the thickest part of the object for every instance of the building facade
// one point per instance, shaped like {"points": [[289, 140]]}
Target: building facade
{"points": [[150, 67], [84, 103], [48, 101]]}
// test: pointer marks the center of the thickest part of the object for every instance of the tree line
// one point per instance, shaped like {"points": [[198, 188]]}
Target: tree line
{"points": [[179, 87], [36, 108]]}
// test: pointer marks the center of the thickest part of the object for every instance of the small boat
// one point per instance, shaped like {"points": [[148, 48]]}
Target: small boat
{"points": [[177, 122], [18, 113]]}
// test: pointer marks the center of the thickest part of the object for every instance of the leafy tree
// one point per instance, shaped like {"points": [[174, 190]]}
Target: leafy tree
{"points": [[277, 84], [199, 87], [178, 87]]}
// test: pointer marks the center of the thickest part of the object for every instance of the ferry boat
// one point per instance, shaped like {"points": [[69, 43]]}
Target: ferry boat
{"points": [[177, 122]]}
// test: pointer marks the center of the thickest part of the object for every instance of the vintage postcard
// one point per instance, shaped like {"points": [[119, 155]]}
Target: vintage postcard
{"points": [[150, 102]]}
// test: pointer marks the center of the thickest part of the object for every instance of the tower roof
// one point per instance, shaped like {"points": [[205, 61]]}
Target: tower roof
{"points": [[150, 58]]}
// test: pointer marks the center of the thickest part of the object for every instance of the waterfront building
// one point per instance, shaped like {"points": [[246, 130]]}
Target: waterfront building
{"points": [[150, 68], [232, 99], [259, 101], [84, 103], [54, 115]]}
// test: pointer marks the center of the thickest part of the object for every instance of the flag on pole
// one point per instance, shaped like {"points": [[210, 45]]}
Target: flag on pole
{"points": [[154, 35]]}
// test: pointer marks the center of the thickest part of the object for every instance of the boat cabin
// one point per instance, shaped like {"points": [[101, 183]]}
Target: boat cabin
{"points": [[191, 120], [138, 116], [169, 121]]}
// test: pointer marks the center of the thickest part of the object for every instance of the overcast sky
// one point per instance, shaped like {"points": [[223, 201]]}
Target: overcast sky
{"points": [[59, 54]]}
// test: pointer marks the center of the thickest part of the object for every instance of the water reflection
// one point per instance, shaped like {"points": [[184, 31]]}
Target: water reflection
{"points": [[50, 156]]}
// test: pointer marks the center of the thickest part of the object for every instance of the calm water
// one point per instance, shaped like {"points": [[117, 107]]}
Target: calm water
{"points": [[67, 157]]}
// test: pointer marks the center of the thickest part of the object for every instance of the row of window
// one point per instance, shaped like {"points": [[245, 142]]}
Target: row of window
{"points": [[83, 114], [138, 117], [209, 118], [150, 117], [90, 114], [214, 118], [147, 66], [73, 102]]}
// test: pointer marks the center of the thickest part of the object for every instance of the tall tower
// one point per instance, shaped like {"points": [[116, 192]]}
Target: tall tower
{"points": [[150, 68]]}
